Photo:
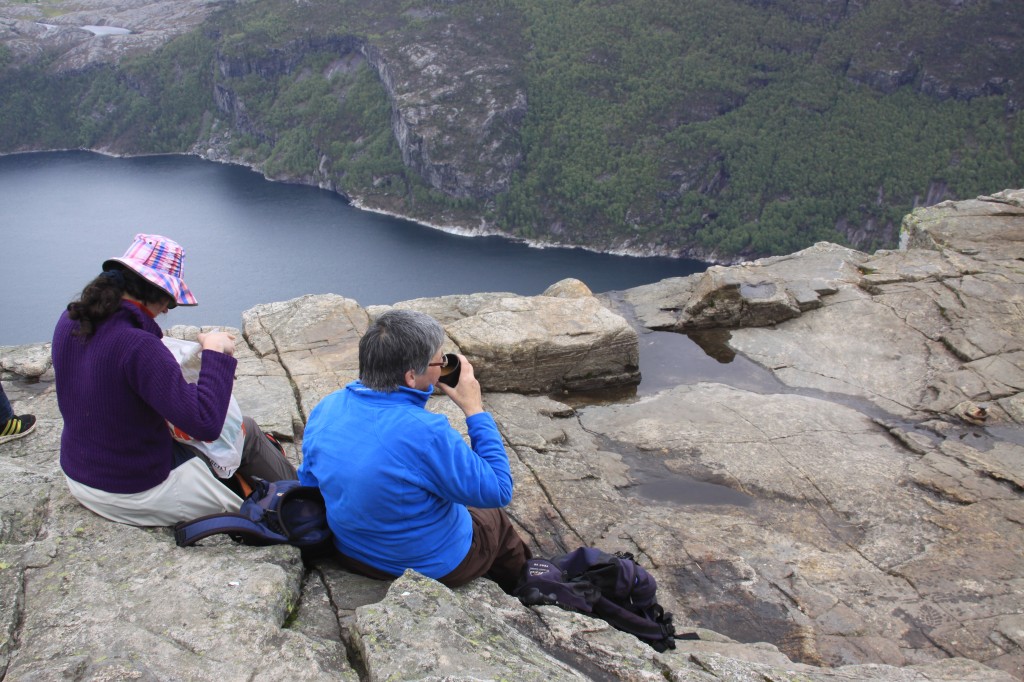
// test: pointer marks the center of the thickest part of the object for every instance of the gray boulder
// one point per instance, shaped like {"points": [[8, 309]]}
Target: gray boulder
{"points": [[562, 340], [545, 343], [421, 630], [314, 338], [756, 294]]}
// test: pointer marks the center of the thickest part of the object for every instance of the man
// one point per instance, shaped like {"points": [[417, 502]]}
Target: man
{"points": [[403, 490]]}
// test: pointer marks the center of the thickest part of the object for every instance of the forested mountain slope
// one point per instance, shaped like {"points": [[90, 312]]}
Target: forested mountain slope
{"points": [[718, 128]]}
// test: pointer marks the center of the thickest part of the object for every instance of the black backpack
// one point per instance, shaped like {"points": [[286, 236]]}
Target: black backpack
{"points": [[612, 587], [281, 512]]}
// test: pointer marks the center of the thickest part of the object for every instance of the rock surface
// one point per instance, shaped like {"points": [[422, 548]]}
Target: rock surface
{"points": [[846, 506], [87, 33]]}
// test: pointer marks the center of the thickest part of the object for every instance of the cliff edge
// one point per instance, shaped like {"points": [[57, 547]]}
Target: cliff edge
{"points": [[821, 466]]}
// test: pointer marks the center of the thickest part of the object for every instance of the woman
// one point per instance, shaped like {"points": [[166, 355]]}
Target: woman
{"points": [[118, 386]]}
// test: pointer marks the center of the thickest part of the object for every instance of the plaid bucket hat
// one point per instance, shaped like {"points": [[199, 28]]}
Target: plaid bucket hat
{"points": [[159, 260]]}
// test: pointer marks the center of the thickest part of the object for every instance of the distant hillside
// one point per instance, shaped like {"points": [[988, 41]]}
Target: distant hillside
{"points": [[717, 128]]}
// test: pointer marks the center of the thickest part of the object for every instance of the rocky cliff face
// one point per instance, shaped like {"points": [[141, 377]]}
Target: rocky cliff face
{"points": [[482, 99], [944, 65], [457, 103], [458, 98], [835, 492]]}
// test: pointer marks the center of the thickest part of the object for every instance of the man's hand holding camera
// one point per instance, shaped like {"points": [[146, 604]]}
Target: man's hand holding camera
{"points": [[466, 394]]}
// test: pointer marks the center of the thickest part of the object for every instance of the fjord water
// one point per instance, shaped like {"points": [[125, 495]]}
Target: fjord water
{"points": [[248, 241]]}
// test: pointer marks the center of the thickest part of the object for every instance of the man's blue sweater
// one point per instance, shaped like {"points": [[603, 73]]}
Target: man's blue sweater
{"points": [[397, 478]]}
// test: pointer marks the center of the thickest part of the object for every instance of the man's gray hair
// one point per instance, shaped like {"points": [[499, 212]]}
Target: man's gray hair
{"points": [[397, 341]]}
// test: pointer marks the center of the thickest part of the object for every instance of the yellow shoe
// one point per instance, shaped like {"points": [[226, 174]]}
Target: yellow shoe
{"points": [[17, 426]]}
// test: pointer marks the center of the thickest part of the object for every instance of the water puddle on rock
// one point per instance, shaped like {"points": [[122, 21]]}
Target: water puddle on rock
{"points": [[652, 480], [667, 360], [985, 437], [670, 359]]}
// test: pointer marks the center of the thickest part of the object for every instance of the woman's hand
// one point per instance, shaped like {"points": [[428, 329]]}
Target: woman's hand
{"points": [[222, 342]]}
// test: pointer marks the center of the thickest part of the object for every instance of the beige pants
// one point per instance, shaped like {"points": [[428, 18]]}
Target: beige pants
{"points": [[190, 491]]}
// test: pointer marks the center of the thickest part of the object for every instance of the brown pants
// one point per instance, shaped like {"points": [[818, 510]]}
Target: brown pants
{"points": [[496, 552], [260, 458]]}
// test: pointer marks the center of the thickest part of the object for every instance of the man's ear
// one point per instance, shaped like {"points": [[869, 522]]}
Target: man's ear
{"points": [[410, 378]]}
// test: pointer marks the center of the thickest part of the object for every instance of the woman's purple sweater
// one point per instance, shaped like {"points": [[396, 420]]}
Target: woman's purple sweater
{"points": [[117, 391]]}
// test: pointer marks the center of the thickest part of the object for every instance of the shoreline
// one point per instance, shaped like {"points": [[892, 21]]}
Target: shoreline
{"points": [[355, 202], [481, 231], [533, 244]]}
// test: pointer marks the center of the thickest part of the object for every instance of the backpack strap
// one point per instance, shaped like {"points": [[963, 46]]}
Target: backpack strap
{"points": [[239, 527], [652, 625]]}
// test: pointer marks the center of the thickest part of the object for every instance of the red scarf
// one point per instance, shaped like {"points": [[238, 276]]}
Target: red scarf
{"points": [[143, 308]]}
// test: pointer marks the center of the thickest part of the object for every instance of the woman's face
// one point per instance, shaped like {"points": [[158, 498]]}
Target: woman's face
{"points": [[161, 306]]}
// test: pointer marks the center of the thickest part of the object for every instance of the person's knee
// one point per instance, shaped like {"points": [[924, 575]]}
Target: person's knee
{"points": [[251, 429]]}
